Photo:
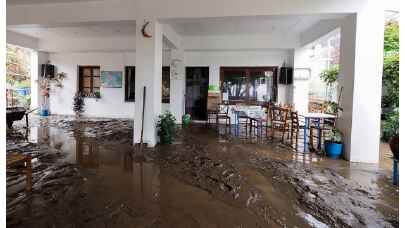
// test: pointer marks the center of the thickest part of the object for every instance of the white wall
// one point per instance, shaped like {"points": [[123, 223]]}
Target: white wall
{"points": [[216, 59], [111, 103]]}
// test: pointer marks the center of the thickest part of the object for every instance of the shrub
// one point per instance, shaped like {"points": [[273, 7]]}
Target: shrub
{"points": [[390, 126], [390, 95], [78, 103], [166, 126]]}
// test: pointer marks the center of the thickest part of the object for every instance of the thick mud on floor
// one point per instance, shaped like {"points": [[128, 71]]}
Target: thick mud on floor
{"points": [[86, 173]]}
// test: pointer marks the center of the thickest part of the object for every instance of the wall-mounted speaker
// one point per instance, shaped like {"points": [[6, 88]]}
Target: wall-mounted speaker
{"points": [[47, 71]]}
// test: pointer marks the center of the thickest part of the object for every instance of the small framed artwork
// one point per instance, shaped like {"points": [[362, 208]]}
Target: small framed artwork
{"points": [[111, 79]]}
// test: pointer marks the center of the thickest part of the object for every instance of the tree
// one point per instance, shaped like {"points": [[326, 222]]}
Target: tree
{"points": [[390, 96]]}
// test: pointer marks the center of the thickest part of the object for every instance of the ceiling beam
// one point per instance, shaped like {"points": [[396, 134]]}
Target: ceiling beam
{"points": [[113, 10]]}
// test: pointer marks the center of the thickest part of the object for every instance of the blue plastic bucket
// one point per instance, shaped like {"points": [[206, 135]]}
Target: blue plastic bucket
{"points": [[395, 173], [44, 112], [333, 150]]}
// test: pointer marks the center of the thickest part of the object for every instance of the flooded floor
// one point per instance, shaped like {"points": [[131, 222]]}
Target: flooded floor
{"points": [[86, 173]]}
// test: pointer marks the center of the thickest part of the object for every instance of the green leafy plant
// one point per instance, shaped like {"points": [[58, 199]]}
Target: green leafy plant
{"points": [[97, 94], [166, 127], [332, 107], [78, 103], [330, 76], [335, 137], [390, 126], [390, 92]]}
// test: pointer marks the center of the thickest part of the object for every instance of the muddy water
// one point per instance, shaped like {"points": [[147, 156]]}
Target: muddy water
{"points": [[204, 179]]}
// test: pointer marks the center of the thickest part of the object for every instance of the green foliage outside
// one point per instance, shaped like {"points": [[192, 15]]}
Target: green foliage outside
{"points": [[166, 127], [18, 62], [390, 95], [330, 76]]}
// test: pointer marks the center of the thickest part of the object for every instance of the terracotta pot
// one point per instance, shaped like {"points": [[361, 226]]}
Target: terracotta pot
{"points": [[394, 145]]}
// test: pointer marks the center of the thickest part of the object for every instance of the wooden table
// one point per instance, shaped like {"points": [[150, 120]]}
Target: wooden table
{"points": [[18, 161], [318, 117]]}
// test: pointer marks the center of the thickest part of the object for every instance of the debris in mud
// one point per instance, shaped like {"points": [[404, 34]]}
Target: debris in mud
{"points": [[51, 181], [328, 196], [100, 128], [191, 164], [271, 191]]}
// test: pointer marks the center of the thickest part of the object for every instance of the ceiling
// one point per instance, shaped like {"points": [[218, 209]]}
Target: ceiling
{"points": [[247, 25], [88, 30], [287, 25], [31, 2]]}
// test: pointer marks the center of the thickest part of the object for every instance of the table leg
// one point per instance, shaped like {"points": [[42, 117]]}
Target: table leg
{"points": [[237, 124], [26, 120], [260, 128], [305, 134]]}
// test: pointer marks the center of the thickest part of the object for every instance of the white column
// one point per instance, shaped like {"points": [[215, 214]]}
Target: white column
{"points": [[149, 74], [300, 88], [35, 71], [177, 84], [42, 58], [362, 37]]}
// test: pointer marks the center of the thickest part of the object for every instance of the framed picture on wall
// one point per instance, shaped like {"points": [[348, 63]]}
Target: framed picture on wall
{"points": [[111, 79]]}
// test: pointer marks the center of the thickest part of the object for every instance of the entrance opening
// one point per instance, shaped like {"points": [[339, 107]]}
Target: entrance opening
{"points": [[18, 77], [197, 92]]}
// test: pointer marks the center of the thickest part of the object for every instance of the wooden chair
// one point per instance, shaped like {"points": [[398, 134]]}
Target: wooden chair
{"points": [[296, 127], [18, 162], [212, 115], [278, 120], [243, 122], [318, 107], [224, 115]]}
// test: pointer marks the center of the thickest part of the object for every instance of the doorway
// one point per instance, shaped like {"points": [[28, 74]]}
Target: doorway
{"points": [[197, 92]]}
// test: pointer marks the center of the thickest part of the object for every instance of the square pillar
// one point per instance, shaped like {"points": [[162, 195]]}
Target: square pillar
{"points": [[148, 73], [35, 71], [177, 84], [362, 39]]}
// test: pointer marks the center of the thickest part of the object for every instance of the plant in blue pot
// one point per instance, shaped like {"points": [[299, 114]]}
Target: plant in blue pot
{"points": [[334, 144]]}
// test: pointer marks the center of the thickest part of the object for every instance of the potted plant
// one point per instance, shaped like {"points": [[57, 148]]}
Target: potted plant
{"points": [[334, 144], [78, 104], [186, 120], [329, 77], [166, 125], [97, 95]]}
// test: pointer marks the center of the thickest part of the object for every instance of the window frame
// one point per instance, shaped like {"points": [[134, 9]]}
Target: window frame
{"points": [[250, 72], [81, 77], [127, 69], [166, 73]]}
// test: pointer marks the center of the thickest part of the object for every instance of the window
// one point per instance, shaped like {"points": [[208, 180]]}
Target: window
{"points": [[244, 84], [89, 80], [166, 84], [129, 83]]}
